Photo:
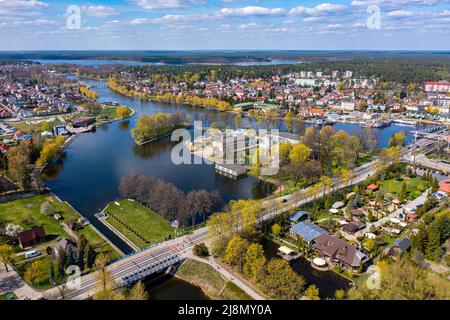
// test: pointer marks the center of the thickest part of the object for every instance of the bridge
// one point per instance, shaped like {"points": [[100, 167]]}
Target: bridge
{"points": [[157, 258], [152, 268]]}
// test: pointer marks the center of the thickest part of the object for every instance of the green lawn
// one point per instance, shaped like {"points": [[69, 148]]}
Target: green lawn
{"points": [[393, 187], [213, 284], [4, 296], [26, 213], [31, 128], [140, 219]]}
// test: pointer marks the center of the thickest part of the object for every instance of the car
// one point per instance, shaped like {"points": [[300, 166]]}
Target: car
{"points": [[32, 254], [410, 211]]}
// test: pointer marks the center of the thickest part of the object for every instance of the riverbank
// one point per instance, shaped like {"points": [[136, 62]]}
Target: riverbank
{"points": [[212, 283]]}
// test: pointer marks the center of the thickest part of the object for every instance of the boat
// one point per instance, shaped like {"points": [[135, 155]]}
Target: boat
{"points": [[405, 122]]}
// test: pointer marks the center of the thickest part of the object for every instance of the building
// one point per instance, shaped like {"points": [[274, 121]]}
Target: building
{"points": [[307, 230], [31, 237], [400, 247], [231, 170], [299, 215], [445, 186], [353, 226], [340, 252], [66, 245], [83, 122], [436, 86]]}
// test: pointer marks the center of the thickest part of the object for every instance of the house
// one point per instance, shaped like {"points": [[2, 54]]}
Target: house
{"points": [[400, 247], [296, 217], [19, 136], [307, 230], [83, 122], [339, 251], [6, 185], [445, 186], [31, 237], [372, 188], [60, 130], [353, 226], [66, 245]]}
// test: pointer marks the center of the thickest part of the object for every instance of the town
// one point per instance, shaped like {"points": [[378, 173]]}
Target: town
{"points": [[338, 204]]}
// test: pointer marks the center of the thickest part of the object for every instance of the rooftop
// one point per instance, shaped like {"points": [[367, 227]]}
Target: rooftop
{"points": [[307, 230]]}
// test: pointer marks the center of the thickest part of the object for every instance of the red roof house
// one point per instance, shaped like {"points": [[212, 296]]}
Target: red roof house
{"points": [[31, 237], [445, 186]]}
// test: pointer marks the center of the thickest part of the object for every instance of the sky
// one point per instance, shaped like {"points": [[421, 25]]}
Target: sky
{"points": [[225, 25]]}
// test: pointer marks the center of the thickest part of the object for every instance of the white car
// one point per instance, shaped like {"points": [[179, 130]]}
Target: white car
{"points": [[410, 211], [32, 254]]}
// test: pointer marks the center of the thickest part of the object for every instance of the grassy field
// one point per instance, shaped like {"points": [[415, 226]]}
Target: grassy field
{"points": [[31, 128], [210, 281], [393, 187], [136, 218], [26, 213]]}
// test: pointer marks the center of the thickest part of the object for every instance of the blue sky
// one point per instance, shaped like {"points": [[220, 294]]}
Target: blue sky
{"points": [[226, 24]]}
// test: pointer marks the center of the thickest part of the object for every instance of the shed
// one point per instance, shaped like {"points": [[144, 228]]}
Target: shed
{"points": [[298, 215]]}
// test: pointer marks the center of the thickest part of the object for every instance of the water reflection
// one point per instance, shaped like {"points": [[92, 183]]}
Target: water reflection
{"points": [[327, 281]]}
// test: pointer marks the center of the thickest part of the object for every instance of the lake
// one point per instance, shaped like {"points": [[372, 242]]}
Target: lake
{"points": [[89, 176]]}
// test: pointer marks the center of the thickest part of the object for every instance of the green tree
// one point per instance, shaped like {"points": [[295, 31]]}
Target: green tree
{"points": [[46, 126], [281, 282], [255, 262], [402, 194], [236, 251], [312, 293], [340, 294], [298, 157], [138, 292], [276, 229], [433, 246], [35, 273], [123, 112], [6, 255]]}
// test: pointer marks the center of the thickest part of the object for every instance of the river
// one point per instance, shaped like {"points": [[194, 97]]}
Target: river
{"points": [[89, 176]]}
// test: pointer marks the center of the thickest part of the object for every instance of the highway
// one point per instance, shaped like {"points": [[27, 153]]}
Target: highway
{"points": [[185, 243]]}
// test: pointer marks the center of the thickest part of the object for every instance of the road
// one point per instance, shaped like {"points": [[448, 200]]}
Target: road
{"points": [[185, 243], [433, 164]]}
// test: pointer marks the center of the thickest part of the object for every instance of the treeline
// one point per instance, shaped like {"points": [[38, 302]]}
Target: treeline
{"points": [[170, 97], [401, 69], [149, 127], [91, 94], [428, 241], [169, 201], [192, 100]]}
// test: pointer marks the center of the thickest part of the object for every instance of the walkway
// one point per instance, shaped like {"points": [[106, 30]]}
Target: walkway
{"points": [[12, 282], [228, 276]]}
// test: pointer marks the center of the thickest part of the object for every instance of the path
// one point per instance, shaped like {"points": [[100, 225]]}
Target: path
{"points": [[228, 276], [12, 282]]}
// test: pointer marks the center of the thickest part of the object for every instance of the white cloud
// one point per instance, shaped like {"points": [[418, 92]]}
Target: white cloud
{"points": [[250, 11], [399, 14], [99, 11], [165, 4], [22, 4], [393, 4], [321, 9]]}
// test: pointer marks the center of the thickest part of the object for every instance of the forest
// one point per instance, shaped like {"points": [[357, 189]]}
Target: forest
{"points": [[169, 201]]}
